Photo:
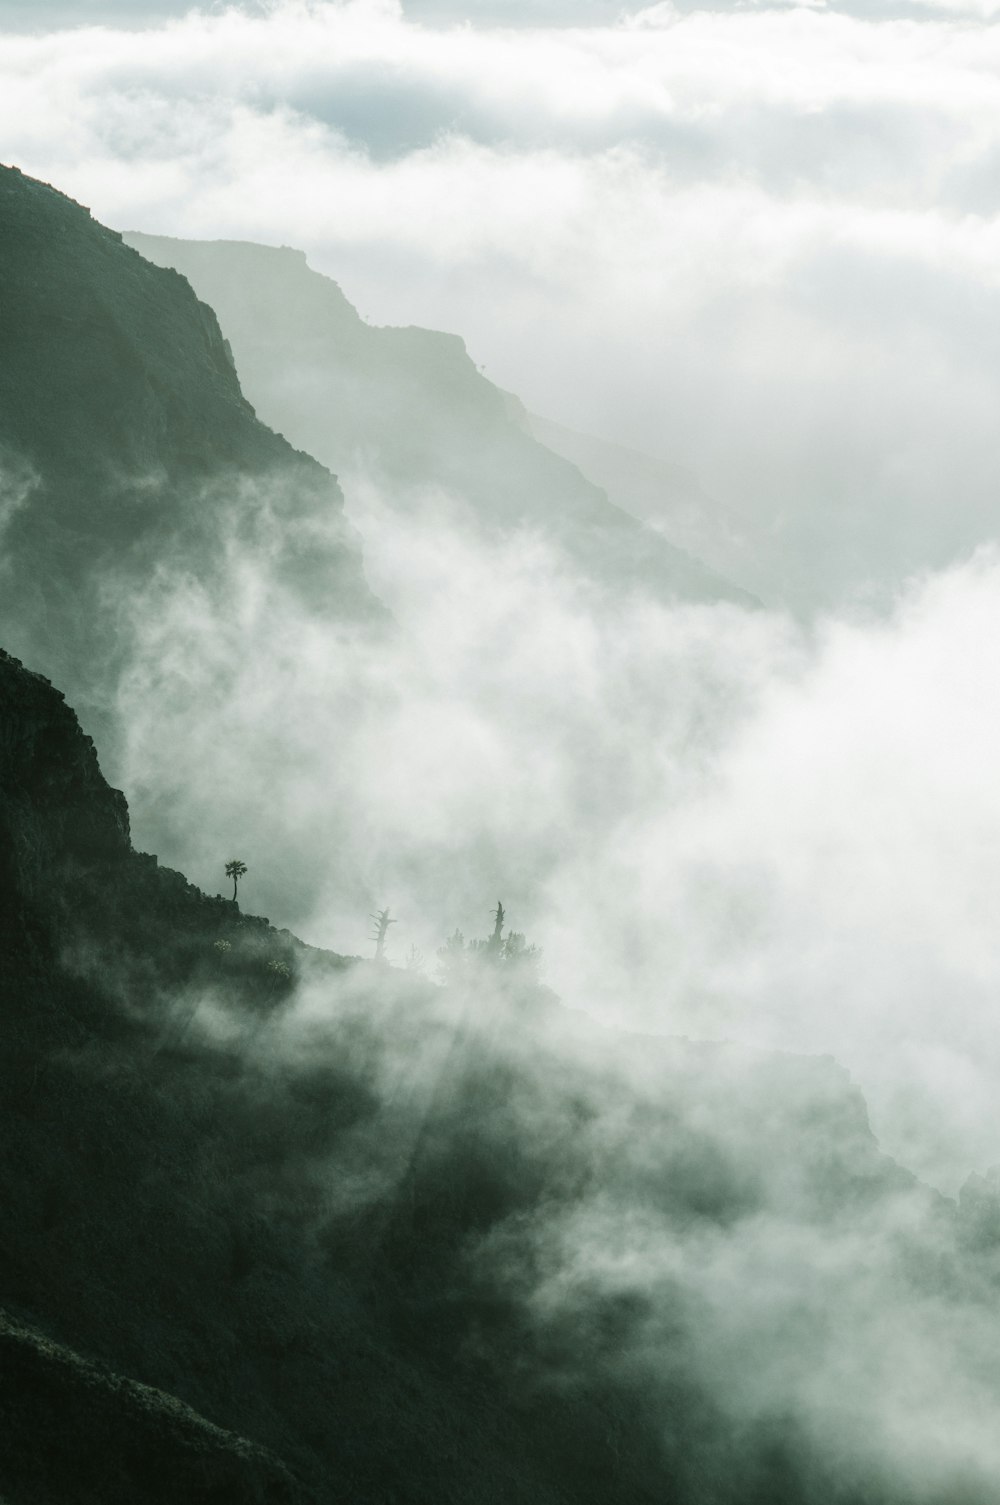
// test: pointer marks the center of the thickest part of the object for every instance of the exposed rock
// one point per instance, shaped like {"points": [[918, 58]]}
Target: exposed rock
{"points": [[55, 802]]}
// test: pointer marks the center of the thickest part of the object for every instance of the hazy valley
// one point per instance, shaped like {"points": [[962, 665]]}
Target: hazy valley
{"points": [[460, 1221]]}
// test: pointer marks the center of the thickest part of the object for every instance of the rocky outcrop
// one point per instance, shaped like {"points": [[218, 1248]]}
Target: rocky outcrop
{"points": [[67, 866], [55, 803], [58, 815]]}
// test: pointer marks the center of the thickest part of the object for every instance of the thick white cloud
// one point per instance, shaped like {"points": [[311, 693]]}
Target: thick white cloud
{"points": [[762, 241], [769, 242], [830, 885], [715, 822]]}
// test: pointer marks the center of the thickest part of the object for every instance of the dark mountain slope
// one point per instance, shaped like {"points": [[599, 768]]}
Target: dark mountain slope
{"points": [[161, 1190], [68, 1419], [409, 407], [421, 1244], [127, 448]]}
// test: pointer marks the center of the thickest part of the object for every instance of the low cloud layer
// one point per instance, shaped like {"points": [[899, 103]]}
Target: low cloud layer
{"points": [[761, 240], [715, 822]]}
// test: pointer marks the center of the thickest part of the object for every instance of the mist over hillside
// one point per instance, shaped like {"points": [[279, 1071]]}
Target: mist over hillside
{"points": [[551, 1054], [666, 496], [657, 789], [755, 241], [278, 1226], [406, 410], [128, 450]]}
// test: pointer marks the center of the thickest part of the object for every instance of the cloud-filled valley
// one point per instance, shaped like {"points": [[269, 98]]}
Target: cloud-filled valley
{"points": [[714, 822], [705, 1200]]}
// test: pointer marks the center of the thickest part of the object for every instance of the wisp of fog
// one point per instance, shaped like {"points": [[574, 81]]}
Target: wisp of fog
{"points": [[714, 821]]}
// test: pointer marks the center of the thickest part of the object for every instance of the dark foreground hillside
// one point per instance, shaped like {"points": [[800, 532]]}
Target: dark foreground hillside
{"points": [[277, 1226]]}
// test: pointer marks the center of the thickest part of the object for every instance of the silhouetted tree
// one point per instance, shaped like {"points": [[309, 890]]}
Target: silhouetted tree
{"points": [[511, 952], [380, 923], [495, 942], [235, 870], [515, 952]]}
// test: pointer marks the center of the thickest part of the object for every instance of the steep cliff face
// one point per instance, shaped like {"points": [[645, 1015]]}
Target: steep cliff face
{"points": [[69, 876], [56, 803], [409, 407], [127, 449], [56, 811]]}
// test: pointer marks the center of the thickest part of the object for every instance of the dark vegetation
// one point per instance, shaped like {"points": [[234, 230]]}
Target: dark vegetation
{"points": [[251, 1215], [459, 961], [106, 1437]]}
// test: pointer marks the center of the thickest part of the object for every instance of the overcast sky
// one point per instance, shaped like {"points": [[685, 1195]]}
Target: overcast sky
{"points": [[761, 241], [45, 15]]}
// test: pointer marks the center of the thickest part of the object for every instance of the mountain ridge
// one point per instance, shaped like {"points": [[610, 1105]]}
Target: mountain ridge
{"points": [[127, 446], [408, 405]]}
